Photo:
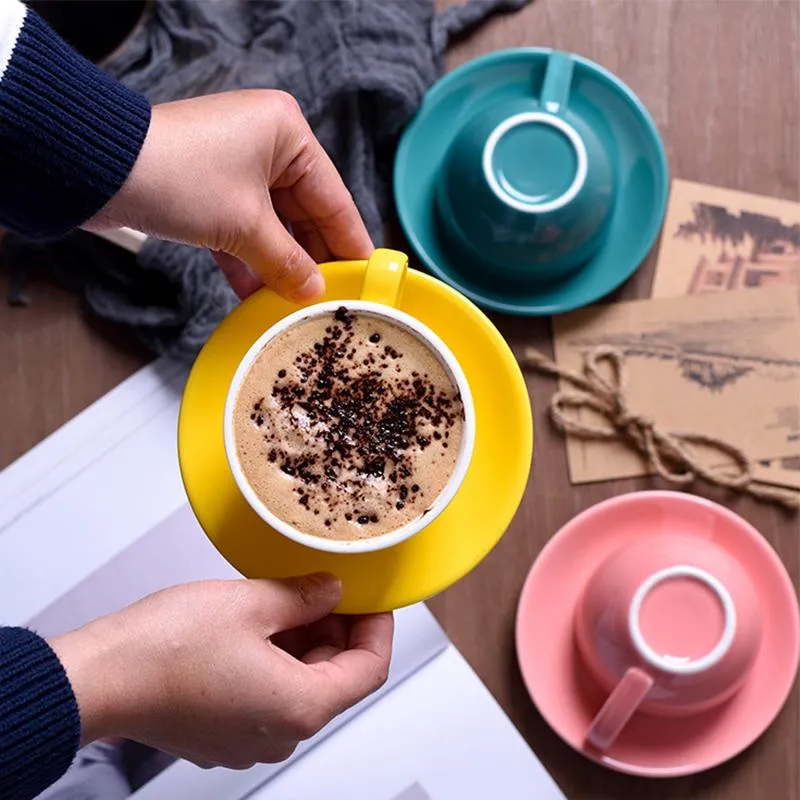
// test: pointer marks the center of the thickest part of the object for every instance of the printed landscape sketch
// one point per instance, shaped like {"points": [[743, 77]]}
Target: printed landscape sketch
{"points": [[751, 249], [716, 240], [705, 351], [725, 364], [719, 240]]}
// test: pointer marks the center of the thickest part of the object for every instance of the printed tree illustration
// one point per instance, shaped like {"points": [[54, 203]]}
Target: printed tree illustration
{"points": [[716, 223], [719, 225], [695, 227], [764, 232], [725, 227]]}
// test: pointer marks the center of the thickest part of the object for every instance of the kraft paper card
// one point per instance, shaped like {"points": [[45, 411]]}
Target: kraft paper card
{"points": [[717, 240], [725, 365]]}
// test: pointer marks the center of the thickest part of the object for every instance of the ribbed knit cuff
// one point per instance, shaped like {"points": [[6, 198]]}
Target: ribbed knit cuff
{"points": [[69, 135], [39, 721]]}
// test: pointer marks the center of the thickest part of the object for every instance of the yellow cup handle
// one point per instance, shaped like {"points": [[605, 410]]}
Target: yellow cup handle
{"points": [[385, 277]]}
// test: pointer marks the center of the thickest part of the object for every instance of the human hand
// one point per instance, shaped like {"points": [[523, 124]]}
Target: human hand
{"points": [[225, 673], [236, 172]]}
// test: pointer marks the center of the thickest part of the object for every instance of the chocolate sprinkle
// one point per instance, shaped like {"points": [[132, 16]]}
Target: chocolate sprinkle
{"points": [[368, 425], [342, 315]]}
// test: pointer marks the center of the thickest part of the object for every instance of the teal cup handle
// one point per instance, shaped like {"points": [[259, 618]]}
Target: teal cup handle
{"points": [[554, 95], [527, 188]]}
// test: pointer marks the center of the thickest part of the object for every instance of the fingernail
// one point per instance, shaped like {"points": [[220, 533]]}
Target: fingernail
{"points": [[311, 289]]}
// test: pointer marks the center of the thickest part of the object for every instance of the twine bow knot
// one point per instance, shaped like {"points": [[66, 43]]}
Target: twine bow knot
{"points": [[668, 454]]}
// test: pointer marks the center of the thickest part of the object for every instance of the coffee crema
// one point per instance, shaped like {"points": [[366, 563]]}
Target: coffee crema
{"points": [[348, 425]]}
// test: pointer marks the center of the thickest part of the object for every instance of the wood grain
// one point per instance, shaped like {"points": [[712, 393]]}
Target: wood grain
{"points": [[56, 361], [722, 80]]}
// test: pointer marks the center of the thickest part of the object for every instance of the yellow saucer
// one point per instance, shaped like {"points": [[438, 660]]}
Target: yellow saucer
{"points": [[454, 542]]}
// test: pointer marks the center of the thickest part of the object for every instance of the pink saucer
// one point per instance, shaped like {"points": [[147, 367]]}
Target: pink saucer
{"points": [[568, 697]]}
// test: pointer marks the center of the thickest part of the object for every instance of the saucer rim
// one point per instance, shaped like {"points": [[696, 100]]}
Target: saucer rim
{"points": [[572, 528], [535, 307], [398, 583]]}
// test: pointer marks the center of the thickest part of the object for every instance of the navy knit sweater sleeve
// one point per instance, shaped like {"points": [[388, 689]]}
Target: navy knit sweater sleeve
{"points": [[69, 133], [39, 723], [69, 136]]}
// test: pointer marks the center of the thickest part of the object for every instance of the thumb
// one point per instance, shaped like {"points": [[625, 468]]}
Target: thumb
{"points": [[274, 255], [293, 602]]}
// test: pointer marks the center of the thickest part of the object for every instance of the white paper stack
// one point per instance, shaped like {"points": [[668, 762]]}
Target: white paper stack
{"points": [[95, 517]]}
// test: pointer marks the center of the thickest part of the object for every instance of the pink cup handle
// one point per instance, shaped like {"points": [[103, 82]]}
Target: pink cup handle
{"points": [[618, 708]]}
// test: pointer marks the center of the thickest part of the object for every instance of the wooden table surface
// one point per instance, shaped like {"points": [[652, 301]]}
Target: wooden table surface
{"points": [[722, 80]]}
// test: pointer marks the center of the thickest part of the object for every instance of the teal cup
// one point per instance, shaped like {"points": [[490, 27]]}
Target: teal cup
{"points": [[527, 189]]}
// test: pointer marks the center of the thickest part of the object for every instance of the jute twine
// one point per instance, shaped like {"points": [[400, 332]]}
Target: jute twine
{"points": [[668, 454]]}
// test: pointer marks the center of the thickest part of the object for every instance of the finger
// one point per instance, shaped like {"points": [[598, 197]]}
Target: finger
{"points": [[238, 274], [363, 667], [330, 633], [325, 639], [333, 629], [274, 255], [318, 192], [293, 642], [313, 242], [324, 652], [372, 633], [276, 752], [304, 230], [241, 766], [293, 602]]}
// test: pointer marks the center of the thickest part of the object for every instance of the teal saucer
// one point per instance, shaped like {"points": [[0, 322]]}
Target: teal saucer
{"points": [[603, 103]]}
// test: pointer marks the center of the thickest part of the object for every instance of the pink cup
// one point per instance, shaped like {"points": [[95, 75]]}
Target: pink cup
{"points": [[669, 626]]}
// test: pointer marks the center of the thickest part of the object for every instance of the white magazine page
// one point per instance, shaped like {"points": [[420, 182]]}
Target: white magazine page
{"points": [[439, 736], [85, 438], [95, 517], [176, 551], [418, 639], [89, 490]]}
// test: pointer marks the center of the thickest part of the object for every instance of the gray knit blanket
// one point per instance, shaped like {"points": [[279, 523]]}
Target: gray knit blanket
{"points": [[359, 69]]}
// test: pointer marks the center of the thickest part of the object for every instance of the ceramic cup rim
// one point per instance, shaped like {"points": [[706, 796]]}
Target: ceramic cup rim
{"points": [[693, 666], [391, 538], [542, 118]]}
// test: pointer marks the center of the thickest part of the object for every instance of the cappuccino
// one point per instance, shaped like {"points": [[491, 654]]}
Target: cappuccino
{"points": [[348, 425]]}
